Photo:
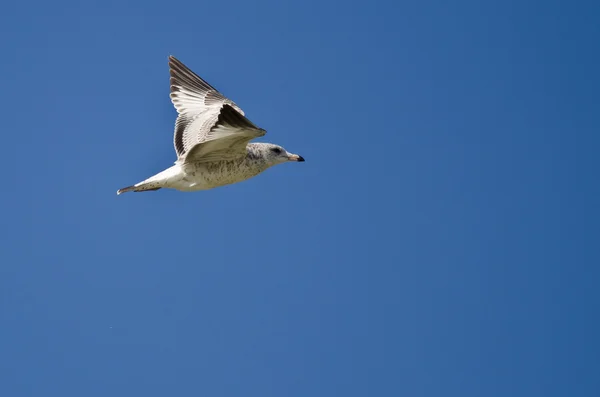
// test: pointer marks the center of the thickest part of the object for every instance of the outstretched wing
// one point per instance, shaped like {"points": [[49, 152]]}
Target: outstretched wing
{"points": [[209, 126]]}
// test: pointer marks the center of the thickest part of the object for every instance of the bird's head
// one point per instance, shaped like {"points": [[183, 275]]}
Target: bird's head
{"points": [[277, 155]]}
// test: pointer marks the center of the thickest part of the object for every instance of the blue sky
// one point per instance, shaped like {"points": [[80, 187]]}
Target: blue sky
{"points": [[439, 240]]}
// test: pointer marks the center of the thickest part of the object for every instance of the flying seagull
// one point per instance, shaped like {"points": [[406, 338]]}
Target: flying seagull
{"points": [[212, 139]]}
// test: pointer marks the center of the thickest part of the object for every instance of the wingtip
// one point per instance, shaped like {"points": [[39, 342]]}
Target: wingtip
{"points": [[173, 60]]}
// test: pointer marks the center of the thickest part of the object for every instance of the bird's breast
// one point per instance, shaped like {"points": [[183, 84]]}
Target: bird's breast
{"points": [[219, 173]]}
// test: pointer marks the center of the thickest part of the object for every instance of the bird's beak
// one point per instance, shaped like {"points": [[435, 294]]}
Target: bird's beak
{"points": [[295, 157]]}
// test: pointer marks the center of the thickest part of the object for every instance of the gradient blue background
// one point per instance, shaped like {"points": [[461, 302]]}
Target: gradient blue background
{"points": [[440, 240]]}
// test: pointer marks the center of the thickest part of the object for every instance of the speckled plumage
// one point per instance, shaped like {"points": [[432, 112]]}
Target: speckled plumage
{"points": [[212, 139]]}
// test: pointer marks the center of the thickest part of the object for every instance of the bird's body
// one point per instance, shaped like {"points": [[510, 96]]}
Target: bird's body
{"points": [[211, 140], [195, 176]]}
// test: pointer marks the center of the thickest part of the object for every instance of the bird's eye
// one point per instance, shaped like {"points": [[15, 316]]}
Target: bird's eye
{"points": [[276, 150]]}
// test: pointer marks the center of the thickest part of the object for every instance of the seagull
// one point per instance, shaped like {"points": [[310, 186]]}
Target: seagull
{"points": [[212, 140]]}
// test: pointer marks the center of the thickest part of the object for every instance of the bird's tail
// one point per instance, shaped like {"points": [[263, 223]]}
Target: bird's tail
{"points": [[155, 182], [140, 187]]}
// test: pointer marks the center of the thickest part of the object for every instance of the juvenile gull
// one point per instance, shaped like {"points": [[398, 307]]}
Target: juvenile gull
{"points": [[212, 139]]}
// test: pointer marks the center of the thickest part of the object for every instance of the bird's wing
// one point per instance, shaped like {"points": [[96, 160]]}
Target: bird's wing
{"points": [[209, 126]]}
